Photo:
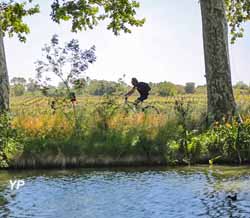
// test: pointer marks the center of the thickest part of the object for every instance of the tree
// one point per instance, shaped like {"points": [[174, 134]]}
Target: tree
{"points": [[241, 85], [87, 14], [18, 85], [11, 22], [201, 89], [221, 102], [103, 87], [238, 12], [32, 85], [190, 88], [216, 15], [18, 89], [4, 79], [68, 63], [18, 80], [166, 89]]}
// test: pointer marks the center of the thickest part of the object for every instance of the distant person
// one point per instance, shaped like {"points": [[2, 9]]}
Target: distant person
{"points": [[53, 106], [142, 88], [73, 98]]}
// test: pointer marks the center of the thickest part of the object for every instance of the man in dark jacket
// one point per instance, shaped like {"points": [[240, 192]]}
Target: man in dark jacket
{"points": [[141, 87]]}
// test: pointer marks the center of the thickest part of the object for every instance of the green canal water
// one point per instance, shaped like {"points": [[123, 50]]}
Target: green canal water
{"points": [[199, 191]]}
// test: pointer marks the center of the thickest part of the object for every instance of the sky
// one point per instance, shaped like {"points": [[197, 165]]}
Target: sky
{"points": [[168, 47]]}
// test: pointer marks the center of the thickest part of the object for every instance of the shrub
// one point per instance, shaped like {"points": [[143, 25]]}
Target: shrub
{"points": [[10, 141]]}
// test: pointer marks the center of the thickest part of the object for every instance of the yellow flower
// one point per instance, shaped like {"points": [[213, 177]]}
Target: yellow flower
{"points": [[216, 124]]}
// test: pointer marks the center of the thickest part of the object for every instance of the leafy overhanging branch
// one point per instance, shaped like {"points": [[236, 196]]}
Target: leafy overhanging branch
{"points": [[88, 13], [238, 13], [11, 18]]}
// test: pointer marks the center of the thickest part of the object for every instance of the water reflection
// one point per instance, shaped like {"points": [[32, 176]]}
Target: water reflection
{"points": [[163, 192], [220, 185]]}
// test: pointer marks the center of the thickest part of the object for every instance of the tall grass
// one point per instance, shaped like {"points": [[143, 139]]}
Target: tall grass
{"points": [[106, 135]]}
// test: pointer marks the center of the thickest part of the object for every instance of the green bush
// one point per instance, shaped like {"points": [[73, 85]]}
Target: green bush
{"points": [[10, 141]]}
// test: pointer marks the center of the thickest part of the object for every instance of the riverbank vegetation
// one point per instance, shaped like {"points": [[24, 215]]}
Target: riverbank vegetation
{"points": [[107, 133]]}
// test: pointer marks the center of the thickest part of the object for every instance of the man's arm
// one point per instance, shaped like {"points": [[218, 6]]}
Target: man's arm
{"points": [[130, 92]]}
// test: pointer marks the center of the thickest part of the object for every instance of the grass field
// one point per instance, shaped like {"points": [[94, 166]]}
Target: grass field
{"points": [[31, 105]]}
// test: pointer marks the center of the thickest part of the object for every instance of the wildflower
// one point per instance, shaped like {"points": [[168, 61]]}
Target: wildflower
{"points": [[216, 124]]}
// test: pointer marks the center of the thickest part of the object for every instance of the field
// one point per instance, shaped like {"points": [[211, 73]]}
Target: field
{"points": [[37, 105], [31, 101]]}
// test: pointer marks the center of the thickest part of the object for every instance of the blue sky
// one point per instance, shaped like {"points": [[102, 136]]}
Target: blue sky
{"points": [[167, 48]]}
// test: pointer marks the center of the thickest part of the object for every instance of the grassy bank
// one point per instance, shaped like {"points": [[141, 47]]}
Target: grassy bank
{"points": [[103, 133]]}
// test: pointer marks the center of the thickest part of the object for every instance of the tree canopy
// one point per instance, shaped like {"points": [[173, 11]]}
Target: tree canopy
{"points": [[238, 12], [11, 17], [86, 14]]}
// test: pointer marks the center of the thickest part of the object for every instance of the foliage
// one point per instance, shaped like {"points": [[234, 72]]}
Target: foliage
{"points": [[241, 85], [18, 80], [88, 86], [58, 59], [238, 12], [102, 87], [201, 89], [190, 88], [225, 143], [10, 141], [32, 85], [87, 14], [18, 89], [166, 89], [11, 17], [80, 84], [230, 142], [183, 113], [68, 63]]}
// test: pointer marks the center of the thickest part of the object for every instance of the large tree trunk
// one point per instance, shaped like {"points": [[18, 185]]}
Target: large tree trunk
{"points": [[221, 101], [4, 79]]}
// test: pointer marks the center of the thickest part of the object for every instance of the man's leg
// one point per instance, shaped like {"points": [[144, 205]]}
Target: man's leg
{"points": [[137, 101], [141, 99]]}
